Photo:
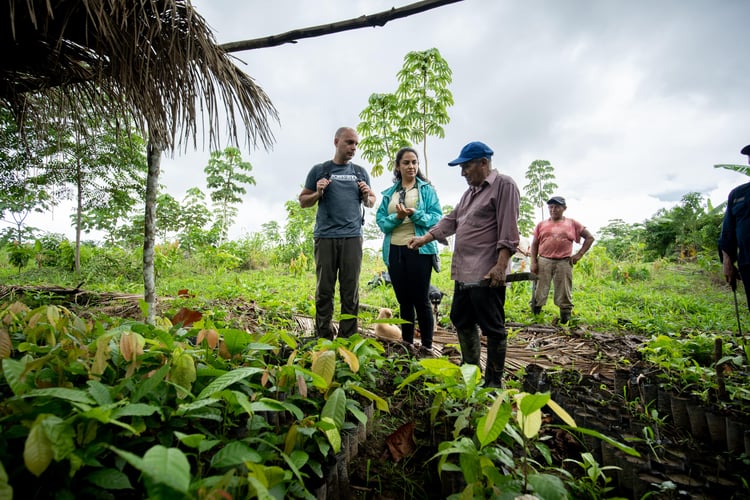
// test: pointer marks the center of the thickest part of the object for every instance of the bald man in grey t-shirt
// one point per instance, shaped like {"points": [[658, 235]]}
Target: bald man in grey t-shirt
{"points": [[339, 187]]}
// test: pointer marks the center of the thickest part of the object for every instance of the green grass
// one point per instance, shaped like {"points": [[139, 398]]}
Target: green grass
{"points": [[645, 298]]}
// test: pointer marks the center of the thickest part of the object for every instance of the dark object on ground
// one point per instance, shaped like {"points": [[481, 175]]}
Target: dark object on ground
{"points": [[382, 278], [564, 317], [436, 296]]}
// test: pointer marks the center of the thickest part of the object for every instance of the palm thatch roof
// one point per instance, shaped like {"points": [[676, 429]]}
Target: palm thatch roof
{"points": [[155, 61]]}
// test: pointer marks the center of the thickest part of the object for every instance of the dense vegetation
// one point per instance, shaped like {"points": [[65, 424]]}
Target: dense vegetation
{"points": [[224, 395], [235, 402]]}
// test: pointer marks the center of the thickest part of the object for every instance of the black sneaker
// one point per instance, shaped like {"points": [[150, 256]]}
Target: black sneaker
{"points": [[426, 352]]}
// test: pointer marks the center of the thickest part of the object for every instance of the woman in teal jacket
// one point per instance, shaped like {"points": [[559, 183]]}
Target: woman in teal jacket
{"points": [[409, 208]]}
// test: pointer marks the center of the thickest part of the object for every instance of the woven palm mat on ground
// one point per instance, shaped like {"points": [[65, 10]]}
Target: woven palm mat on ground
{"points": [[591, 353]]}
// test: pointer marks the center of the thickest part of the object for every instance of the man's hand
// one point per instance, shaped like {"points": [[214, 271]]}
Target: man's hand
{"points": [[416, 243], [321, 186], [496, 276], [366, 193], [731, 274]]}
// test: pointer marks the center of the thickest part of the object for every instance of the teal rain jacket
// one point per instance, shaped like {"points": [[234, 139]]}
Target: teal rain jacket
{"points": [[427, 213]]}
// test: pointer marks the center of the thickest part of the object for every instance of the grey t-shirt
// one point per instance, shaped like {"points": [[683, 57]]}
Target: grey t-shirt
{"points": [[339, 210]]}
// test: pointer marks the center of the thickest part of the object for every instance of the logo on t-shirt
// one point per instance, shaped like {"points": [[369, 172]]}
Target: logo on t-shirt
{"points": [[343, 177]]}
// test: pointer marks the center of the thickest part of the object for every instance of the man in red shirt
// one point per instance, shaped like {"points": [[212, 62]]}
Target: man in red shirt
{"points": [[551, 258]]}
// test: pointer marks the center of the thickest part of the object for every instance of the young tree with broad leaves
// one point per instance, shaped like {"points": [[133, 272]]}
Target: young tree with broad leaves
{"points": [[225, 175], [418, 109], [423, 89], [104, 167], [381, 131], [526, 222], [23, 181], [541, 177], [194, 219]]}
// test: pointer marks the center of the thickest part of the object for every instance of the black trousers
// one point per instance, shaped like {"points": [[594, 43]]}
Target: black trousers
{"points": [[410, 274], [337, 259], [745, 275], [479, 306]]}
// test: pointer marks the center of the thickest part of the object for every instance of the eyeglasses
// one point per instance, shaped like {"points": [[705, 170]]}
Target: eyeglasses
{"points": [[409, 162], [469, 163], [402, 196]]}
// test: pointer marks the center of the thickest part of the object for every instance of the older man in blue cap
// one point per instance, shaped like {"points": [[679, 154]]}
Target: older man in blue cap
{"points": [[485, 223]]}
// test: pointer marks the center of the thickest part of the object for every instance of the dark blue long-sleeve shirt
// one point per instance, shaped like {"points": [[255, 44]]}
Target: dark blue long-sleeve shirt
{"points": [[735, 230]]}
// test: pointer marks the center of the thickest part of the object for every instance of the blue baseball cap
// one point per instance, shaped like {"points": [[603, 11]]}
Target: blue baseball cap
{"points": [[746, 150], [472, 151]]}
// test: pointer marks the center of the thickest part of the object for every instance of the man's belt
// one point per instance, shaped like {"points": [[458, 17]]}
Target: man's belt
{"points": [[509, 278]]}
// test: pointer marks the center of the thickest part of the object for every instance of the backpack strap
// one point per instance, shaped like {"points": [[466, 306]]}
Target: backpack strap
{"points": [[359, 172]]}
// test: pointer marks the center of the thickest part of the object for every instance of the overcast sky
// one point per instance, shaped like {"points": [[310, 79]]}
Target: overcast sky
{"points": [[632, 102]]}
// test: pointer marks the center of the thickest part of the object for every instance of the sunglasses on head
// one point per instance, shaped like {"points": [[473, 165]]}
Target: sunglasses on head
{"points": [[402, 196]]}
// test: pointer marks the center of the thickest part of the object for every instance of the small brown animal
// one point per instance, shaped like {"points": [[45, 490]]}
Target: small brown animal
{"points": [[386, 331]]}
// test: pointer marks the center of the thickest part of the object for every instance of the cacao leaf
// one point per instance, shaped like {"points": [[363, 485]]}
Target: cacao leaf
{"points": [[187, 317], [102, 355], [37, 450], [324, 365], [350, 358], [492, 424], [335, 407], [211, 337], [14, 372], [183, 372], [167, 466], [401, 443], [6, 490], [222, 382], [5, 344]]}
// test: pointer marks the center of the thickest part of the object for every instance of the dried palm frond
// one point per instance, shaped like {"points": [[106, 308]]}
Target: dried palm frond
{"points": [[153, 60]]}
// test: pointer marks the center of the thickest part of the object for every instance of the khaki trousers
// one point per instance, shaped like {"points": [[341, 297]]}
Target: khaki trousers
{"points": [[559, 273]]}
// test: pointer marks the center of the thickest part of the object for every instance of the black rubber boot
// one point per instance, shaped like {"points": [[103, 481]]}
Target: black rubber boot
{"points": [[470, 345], [564, 317], [493, 374]]}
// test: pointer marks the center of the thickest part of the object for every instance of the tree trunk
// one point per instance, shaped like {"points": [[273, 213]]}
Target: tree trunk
{"points": [[79, 209], [149, 237]]}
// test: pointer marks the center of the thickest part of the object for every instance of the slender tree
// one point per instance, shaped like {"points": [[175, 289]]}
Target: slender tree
{"points": [[225, 175], [168, 214], [104, 164], [24, 185], [541, 177], [526, 222], [423, 90], [381, 131], [418, 109], [298, 232], [194, 217]]}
